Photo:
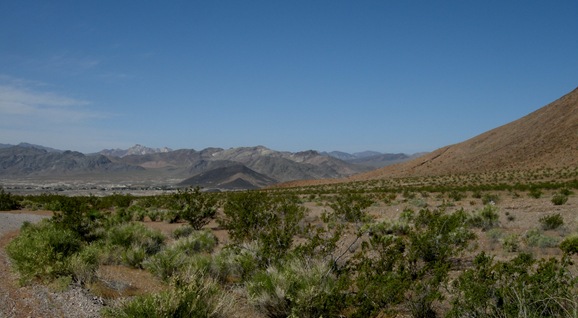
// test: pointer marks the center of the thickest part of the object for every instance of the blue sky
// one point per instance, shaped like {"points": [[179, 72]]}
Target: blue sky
{"points": [[390, 76]]}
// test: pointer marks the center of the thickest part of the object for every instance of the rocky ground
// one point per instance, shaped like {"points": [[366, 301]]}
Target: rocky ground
{"points": [[37, 300]]}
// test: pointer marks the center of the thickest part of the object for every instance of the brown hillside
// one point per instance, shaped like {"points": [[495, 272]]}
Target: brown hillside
{"points": [[546, 138]]}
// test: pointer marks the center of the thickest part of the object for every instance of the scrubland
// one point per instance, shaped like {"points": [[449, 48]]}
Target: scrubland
{"points": [[485, 245]]}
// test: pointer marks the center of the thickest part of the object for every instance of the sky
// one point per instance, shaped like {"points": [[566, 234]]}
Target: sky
{"points": [[388, 76]]}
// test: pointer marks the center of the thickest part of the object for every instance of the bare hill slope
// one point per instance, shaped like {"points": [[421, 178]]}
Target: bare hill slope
{"points": [[546, 138]]}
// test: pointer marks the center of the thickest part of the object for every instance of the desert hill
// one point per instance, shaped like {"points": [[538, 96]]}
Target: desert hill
{"points": [[229, 177], [546, 138]]}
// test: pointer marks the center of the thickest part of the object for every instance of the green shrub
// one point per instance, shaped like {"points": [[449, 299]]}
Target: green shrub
{"points": [[486, 218], [197, 296], [195, 207], [495, 235], [76, 214], [299, 288], [182, 231], [559, 199], [167, 263], [234, 264], [134, 255], [351, 206], [570, 244], [171, 216], [551, 222], [456, 195], [84, 264], [490, 198], [511, 243], [536, 238], [521, 287], [135, 241], [258, 216], [535, 193], [42, 251], [154, 215], [198, 241], [8, 201]]}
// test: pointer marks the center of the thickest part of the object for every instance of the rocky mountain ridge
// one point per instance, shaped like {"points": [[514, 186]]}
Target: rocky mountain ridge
{"points": [[134, 150], [233, 168]]}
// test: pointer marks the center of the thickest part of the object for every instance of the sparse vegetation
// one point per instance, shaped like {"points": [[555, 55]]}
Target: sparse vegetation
{"points": [[551, 222], [365, 250]]}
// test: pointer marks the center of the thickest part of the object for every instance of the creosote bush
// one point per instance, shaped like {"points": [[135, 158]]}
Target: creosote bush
{"points": [[486, 218], [559, 199], [258, 216], [551, 222], [8, 201], [42, 251], [195, 207], [570, 244], [522, 287]]}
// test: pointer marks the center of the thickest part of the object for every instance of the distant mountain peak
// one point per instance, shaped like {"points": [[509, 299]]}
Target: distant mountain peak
{"points": [[137, 149]]}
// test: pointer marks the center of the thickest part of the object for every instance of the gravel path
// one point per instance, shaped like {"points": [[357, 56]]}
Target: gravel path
{"points": [[36, 300]]}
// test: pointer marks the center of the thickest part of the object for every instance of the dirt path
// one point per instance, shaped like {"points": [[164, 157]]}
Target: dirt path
{"points": [[35, 300]]}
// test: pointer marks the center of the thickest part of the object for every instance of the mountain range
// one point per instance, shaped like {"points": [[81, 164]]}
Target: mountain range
{"points": [[227, 169], [544, 139]]}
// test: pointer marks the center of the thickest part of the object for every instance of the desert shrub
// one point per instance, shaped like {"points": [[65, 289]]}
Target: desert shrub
{"points": [[195, 207], [128, 234], [351, 206], [75, 214], [521, 287], [42, 251], [154, 215], [495, 235], [486, 218], [197, 296], [235, 263], [559, 199], [134, 255], [8, 201], [258, 216], [535, 193], [135, 241], [551, 222], [411, 268], [182, 231], [535, 238], [84, 264], [115, 200], [138, 213], [171, 216], [490, 198], [511, 243], [29, 204], [570, 244], [198, 241], [456, 195], [298, 288], [167, 263]]}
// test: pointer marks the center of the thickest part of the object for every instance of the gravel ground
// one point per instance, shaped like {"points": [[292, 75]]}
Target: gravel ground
{"points": [[37, 300]]}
